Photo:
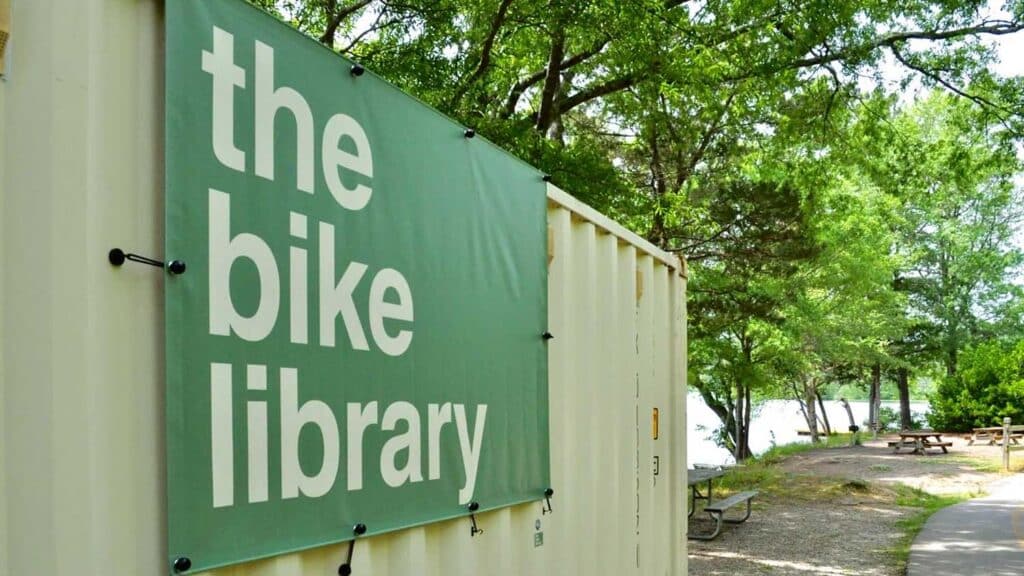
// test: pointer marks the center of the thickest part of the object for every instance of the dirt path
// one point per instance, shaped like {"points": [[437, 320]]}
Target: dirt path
{"points": [[835, 512]]}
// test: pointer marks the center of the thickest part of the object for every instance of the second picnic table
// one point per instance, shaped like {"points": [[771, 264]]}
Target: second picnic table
{"points": [[995, 433], [919, 441]]}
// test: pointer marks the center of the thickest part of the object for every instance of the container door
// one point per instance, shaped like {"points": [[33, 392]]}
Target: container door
{"points": [[653, 417]]}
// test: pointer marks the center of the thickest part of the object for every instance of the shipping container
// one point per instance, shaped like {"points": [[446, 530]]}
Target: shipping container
{"points": [[82, 366]]}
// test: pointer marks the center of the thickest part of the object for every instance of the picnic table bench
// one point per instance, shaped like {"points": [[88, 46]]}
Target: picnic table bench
{"points": [[715, 508], [919, 441]]}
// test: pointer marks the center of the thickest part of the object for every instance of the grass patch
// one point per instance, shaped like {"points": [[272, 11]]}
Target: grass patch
{"points": [[926, 504], [762, 473], [778, 453], [987, 464]]}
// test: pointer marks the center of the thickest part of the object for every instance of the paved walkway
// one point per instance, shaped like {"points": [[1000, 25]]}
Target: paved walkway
{"points": [[983, 537]]}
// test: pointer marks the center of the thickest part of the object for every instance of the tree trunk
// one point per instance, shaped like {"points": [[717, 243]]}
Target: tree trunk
{"points": [[658, 235], [824, 414], [741, 432], [904, 386], [798, 395], [548, 112], [746, 426], [875, 398], [328, 37], [556, 131], [849, 412], [725, 409], [737, 419], [812, 416]]}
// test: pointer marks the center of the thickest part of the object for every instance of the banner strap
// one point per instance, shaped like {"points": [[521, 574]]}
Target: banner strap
{"points": [[548, 493], [473, 507], [346, 568], [117, 257]]}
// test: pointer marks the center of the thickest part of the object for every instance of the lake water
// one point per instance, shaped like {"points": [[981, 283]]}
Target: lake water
{"points": [[775, 422]]}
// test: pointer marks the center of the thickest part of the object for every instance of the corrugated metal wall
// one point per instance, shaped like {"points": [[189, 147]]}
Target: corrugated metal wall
{"points": [[81, 364]]}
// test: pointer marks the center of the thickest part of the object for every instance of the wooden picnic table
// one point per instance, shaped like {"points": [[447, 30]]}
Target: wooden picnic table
{"points": [[995, 433], [919, 441]]}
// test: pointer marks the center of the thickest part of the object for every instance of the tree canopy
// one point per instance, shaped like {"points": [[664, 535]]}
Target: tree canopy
{"points": [[844, 177]]}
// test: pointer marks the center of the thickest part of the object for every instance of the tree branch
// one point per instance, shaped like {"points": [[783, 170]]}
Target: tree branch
{"points": [[989, 27], [371, 29], [327, 37], [485, 54], [979, 100], [999, 28], [597, 91], [517, 91]]}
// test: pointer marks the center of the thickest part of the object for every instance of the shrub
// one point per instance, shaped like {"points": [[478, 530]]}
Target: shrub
{"points": [[988, 387]]}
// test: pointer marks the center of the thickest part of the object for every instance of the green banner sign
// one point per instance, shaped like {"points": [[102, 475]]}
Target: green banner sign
{"points": [[357, 335]]}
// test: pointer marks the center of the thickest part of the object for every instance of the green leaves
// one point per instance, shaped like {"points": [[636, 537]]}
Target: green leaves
{"points": [[988, 387], [827, 227]]}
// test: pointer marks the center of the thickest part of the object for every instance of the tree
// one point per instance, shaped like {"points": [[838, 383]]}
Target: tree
{"points": [[951, 169], [846, 311], [758, 239]]}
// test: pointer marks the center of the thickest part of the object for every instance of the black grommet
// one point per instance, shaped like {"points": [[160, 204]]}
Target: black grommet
{"points": [[547, 336], [474, 506], [546, 177], [344, 570], [549, 493], [359, 529], [176, 267], [357, 70], [469, 133], [182, 564], [116, 256]]}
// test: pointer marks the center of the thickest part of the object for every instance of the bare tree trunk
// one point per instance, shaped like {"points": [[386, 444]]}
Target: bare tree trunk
{"points": [[746, 426], [875, 398], [824, 414], [849, 412], [736, 424], [800, 401], [902, 382], [740, 438], [812, 417]]}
